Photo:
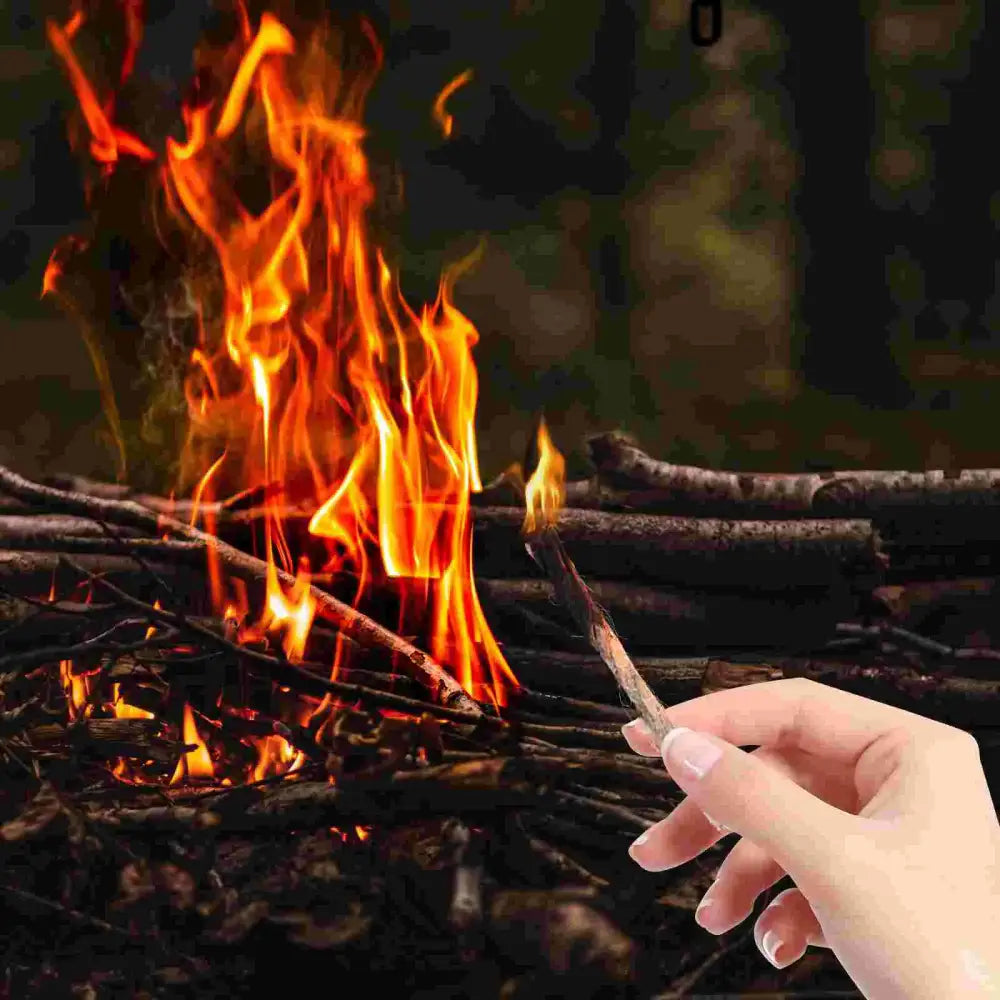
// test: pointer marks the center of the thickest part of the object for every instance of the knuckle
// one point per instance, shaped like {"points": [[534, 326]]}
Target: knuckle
{"points": [[804, 684], [958, 740]]}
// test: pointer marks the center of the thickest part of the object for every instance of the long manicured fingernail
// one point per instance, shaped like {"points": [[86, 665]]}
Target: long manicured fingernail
{"points": [[689, 752]]}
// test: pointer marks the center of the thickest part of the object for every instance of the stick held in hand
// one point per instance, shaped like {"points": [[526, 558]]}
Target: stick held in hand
{"points": [[546, 548], [544, 495]]}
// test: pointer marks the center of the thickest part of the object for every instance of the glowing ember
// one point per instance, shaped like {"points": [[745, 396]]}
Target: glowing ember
{"points": [[315, 373]]}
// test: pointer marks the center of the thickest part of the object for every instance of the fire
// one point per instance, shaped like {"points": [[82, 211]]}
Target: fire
{"points": [[315, 373], [355, 401], [123, 710], [277, 756], [195, 763], [545, 493], [77, 690], [107, 141], [150, 632], [445, 120]]}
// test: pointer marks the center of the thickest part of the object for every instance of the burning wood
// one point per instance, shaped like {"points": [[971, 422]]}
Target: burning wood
{"points": [[242, 566], [543, 498]]}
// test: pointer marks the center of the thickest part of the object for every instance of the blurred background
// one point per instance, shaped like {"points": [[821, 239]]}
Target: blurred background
{"points": [[777, 252]]}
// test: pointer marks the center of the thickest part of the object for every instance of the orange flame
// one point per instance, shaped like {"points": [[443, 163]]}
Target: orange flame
{"points": [[151, 630], [277, 756], [316, 373], [107, 141], [294, 613], [77, 690], [195, 763], [545, 493], [123, 710], [445, 120]]}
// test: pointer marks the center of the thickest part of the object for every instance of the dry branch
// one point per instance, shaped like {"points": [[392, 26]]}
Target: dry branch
{"points": [[958, 700], [666, 618], [583, 673], [623, 464], [30, 574], [688, 551], [109, 738], [561, 862]]}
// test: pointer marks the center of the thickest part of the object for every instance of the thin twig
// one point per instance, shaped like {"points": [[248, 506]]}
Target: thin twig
{"points": [[547, 550]]}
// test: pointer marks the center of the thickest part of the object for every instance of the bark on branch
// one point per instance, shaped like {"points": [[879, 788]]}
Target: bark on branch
{"points": [[683, 550], [621, 463], [665, 618]]}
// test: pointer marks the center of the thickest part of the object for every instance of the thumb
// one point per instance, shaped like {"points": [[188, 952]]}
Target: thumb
{"points": [[802, 833]]}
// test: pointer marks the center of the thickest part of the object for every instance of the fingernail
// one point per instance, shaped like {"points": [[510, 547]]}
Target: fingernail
{"points": [[694, 753], [635, 726], [644, 863], [721, 827], [770, 945], [703, 906], [643, 838]]}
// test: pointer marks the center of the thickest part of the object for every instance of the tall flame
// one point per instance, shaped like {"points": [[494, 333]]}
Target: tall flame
{"points": [[316, 373], [545, 492], [196, 763]]}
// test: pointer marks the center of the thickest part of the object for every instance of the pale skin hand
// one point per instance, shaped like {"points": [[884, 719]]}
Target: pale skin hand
{"points": [[882, 818]]}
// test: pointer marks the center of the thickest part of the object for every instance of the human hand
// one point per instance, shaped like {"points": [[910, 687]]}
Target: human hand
{"points": [[882, 818]]}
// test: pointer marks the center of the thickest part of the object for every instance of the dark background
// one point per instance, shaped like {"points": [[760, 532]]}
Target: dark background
{"points": [[777, 252]]}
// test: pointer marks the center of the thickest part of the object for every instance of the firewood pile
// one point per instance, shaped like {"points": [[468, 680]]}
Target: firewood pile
{"points": [[170, 827]]}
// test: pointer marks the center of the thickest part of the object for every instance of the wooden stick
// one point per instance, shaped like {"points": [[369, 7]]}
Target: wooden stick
{"points": [[689, 551], [624, 464], [667, 618], [547, 550]]}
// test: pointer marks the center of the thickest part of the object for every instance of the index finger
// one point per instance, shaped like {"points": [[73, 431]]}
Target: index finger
{"points": [[796, 713]]}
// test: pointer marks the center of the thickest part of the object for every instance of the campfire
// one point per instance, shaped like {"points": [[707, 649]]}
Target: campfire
{"points": [[323, 704]]}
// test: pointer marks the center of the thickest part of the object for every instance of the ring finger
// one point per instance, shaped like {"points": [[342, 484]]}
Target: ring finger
{"points": [[786, 927]]}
